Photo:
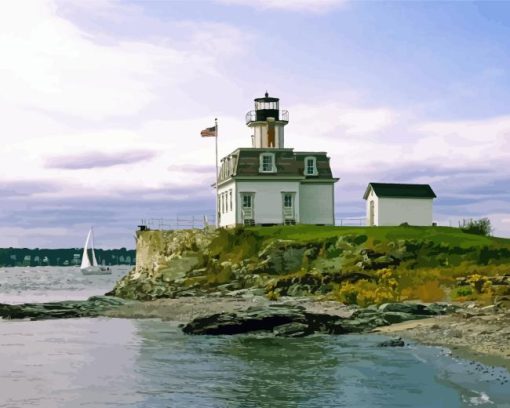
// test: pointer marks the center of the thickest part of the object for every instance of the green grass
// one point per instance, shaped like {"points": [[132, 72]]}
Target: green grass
{"points": [[446, 235]]}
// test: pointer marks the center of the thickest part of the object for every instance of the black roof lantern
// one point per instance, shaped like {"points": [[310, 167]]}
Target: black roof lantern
{"points": [[265, 108], [266, 98]]}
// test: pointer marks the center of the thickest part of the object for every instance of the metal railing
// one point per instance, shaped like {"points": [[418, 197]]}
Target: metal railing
{"points": [[351, 221], [251, 116], [288, 212], [177, 222], [247, 213]]}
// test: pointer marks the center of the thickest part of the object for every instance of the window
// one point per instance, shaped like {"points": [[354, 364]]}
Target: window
{"points": [[311, 166], [230, 198], [287, 200], [267, 163], [247, 202]]}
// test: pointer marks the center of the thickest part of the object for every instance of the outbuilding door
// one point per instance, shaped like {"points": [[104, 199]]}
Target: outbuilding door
{"points": [[371, 220]]}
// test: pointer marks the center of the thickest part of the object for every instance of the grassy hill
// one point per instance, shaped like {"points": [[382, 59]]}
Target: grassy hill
{"points": [[362, 265]]}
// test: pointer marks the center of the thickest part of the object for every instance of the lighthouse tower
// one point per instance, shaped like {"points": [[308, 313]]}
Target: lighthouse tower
{"points": [[267, 122]]}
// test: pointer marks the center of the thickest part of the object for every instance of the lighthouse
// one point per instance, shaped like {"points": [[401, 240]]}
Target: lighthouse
{"points": [[270, 184], [267, 122]]}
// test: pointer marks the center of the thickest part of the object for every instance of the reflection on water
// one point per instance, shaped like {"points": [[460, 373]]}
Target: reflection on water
{"points": [[319, 371], [65, 363], [148, 363]]}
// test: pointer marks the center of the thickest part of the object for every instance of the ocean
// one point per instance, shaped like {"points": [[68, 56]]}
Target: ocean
{"points": [[103, 362]]}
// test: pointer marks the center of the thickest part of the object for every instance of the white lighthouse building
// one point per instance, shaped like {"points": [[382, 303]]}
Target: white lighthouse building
{"points": [[270, 184]]}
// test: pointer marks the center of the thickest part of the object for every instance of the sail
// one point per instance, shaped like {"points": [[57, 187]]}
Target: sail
{"points": [[94, 260], [85, 262]]}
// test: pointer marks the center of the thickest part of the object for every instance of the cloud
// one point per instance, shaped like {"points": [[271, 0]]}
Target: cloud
{"points": [[57, 222], [25, 188], [193, 168], [313, 6], [51, 64], [96, 159], [332, 119]]}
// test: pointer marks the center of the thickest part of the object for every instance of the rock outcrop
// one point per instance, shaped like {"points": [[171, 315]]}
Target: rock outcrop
{"points": [[92, 307], [361, 268], [397, 342], [296, 321]]}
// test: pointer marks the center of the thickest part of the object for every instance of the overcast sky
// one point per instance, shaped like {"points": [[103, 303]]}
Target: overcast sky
{"points": [[102, 103]]}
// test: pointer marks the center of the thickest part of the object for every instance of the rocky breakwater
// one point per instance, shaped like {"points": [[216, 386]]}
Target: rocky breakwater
{"points": [[92, 307], [291, 320]]}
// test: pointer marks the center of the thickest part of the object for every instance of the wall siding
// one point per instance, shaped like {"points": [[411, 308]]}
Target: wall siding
{"points": [[268, 199], [228, 219], [395, 211], [316, 204]]}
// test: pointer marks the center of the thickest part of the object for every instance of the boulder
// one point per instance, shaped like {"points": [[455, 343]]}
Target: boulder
{"points": [[292, 330], [411, 308], [502, 302], [396, 342], [280, 319]]}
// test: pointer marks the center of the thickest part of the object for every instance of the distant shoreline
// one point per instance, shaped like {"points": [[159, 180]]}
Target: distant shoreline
{"points": [[40, 257]]}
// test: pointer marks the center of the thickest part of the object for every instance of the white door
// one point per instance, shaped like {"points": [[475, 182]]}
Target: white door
{"points": [[371, 220], [247, 212], [288, 206]]}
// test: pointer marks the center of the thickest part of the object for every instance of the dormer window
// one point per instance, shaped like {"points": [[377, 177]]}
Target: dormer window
{"points": [[310, 166], [267, 163]]}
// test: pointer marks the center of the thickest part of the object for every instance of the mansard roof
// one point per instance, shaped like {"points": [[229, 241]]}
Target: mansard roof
{"points": [[245, 162]]}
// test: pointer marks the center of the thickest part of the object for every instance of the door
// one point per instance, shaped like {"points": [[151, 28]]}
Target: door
{"points": [[247, 206], [371, 221], [288, 207]]}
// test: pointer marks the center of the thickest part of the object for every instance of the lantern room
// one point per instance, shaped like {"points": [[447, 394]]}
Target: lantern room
{"points": [[267, 122]]}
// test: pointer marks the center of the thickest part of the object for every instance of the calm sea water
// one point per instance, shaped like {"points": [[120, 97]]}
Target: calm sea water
{"points": [[148, 363]]}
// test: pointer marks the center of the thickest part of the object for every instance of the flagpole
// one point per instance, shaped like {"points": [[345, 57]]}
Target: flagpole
{"points": [[217, 218]]}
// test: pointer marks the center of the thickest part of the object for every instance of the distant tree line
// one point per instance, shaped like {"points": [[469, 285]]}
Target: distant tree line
{"points": [[63, 257]]}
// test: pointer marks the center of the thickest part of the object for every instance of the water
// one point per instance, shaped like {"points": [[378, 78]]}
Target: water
{"points": [[148, 363]]}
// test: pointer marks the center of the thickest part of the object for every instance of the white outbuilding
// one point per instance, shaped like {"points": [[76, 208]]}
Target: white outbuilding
{"points": [[394, 204], [268, 184]]}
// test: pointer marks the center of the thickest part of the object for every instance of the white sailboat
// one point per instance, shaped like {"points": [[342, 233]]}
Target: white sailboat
{"points": [[88, 268]]}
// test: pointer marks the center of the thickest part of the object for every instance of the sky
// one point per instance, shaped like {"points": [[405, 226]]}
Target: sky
{"points": [[102, 103]]}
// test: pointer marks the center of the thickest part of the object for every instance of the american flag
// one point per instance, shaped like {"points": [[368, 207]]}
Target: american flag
{"points": [[209, 132]]}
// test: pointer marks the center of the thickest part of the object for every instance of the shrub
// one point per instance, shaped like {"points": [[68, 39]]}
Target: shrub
{"points": [[477, 282], [478, 227], [462, 291], [429, 291], [365, 293]]}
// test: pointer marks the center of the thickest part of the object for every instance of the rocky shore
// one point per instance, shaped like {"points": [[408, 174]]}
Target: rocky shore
{"points": [[481, 334]]}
